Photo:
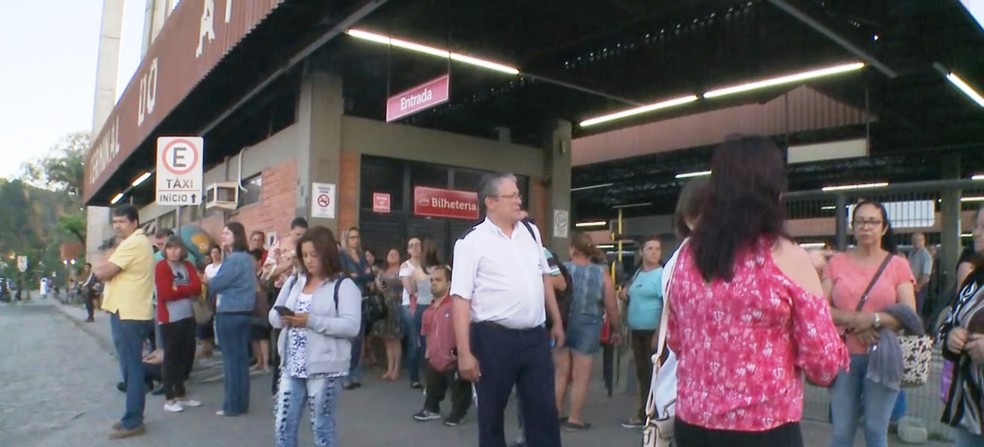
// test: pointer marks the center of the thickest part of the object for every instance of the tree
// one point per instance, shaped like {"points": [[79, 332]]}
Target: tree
{"points": [[63, 169]]}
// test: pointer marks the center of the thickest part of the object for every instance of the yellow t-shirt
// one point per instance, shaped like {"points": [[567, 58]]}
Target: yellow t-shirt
{"points": [[131, 291]]}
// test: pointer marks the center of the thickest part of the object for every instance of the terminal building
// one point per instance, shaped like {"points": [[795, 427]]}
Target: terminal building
{"points": [[393, 110]]}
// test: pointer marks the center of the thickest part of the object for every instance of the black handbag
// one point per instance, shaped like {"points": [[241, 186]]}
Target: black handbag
{"points": [[374, 309]]}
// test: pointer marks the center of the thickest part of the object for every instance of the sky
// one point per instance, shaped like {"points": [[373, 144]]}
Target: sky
{"points": [[47, 83]]}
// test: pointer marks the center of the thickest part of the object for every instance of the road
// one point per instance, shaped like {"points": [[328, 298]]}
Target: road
{"points": [[58, 389]]}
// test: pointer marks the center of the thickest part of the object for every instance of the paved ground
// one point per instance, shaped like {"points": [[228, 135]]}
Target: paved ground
{"points": [[57, 388]]}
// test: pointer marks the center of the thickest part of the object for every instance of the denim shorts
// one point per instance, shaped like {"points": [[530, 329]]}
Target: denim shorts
{"points": [[584, 333]]}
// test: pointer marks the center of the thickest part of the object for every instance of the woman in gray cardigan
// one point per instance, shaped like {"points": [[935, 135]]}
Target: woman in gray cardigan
{"points": [[321, 311]]}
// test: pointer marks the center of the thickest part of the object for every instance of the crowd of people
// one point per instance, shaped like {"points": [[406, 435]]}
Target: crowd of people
{"points": [[748, 311]]}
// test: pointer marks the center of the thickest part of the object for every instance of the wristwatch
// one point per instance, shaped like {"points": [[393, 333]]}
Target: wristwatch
{"points": [[877, 323]]}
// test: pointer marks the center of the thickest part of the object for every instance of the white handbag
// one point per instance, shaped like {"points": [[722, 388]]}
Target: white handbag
{"points": [[659, 424]]}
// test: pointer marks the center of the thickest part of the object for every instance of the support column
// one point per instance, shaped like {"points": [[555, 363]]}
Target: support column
{"points": [[559, 172], [97, 225], [950, 221], [319, 135]]}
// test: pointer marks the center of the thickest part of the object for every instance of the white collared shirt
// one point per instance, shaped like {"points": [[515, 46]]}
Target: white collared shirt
{"points": [[502, 276]]}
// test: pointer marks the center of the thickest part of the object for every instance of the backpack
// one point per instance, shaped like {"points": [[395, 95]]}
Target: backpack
{"points": [[563, 298]]}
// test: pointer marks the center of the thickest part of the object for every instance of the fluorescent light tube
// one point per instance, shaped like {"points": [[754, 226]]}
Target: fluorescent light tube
{"points": [[584, 188], [445, 54], [965, 88], [853, 187], [141, 179], [977, 177], [972, 199], [116, 198], [693, 174], [809, 245], [599, 223], [787, 79], [829, 207], [639, 110], [967, 235], [632, 205], [606, 246]]}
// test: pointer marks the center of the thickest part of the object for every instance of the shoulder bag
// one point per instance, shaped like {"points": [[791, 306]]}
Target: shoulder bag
{"points": [[659, 424]]}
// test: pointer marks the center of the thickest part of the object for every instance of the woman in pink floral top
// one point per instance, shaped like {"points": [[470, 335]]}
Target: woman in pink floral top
{"points": [[747, 313]]}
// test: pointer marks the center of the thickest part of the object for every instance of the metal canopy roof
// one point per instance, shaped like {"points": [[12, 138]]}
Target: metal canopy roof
{"points": [[620, 53]]}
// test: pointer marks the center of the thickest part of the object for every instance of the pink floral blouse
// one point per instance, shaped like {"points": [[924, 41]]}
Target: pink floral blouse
{"points": [[742, 344]]}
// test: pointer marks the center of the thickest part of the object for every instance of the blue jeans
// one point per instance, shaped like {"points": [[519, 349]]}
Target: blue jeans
{"points": [[128, 337], [851, 396], [321, 396], [963, 438], [233, 330], [900, 407], [355, 365], [416, 345]]}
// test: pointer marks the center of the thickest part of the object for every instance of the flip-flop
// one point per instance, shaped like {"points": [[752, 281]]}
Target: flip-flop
{"points": [[571, 426]]}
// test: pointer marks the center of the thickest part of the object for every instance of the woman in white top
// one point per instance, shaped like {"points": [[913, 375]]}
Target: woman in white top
{"points": [[415, 274]]}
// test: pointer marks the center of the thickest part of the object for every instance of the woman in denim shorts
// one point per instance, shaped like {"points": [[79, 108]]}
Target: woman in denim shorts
{"points": [[593, 294]]}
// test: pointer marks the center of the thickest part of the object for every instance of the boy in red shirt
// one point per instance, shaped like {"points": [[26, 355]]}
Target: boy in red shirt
{"points": [[441, 370]]}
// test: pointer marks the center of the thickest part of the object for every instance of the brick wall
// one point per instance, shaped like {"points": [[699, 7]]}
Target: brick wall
{"points": [[275, 209], [349, 171]]}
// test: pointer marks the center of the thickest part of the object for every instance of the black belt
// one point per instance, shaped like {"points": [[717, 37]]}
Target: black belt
{"points": [[494, 325]]}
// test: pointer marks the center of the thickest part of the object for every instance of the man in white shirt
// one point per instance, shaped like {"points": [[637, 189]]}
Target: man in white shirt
{"points": [[502, 292]]}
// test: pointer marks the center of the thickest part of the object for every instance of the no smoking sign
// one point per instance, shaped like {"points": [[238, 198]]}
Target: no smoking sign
{"points": [[179, 170]]}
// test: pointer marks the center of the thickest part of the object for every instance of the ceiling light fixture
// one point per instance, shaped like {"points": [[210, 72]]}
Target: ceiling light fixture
{"points": [[445, 54], [599, 223], [828, 208], [855, 186], [814, 245], [965, 88], [141, 179], [787, 79], [639, 110], [585, 188], [977, 177], [972, 199], [116, 198], [693, 174], [606, 246]]}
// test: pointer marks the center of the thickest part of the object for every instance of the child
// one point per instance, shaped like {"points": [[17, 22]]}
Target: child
{"points": [[441, 372]]}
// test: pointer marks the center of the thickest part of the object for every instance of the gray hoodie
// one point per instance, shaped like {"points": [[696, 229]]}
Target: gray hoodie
{"points": [[329, 331]]}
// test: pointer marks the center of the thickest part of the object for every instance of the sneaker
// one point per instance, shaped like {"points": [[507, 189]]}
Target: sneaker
{"points": [[173, 406], [425, 415], [189, 403], [416, 385], [573, 426], [634, 423], [454, 421], [123, 433]]}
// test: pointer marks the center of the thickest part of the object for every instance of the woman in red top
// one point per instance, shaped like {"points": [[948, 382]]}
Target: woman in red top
{"points": [[747, 313], [177, 285]]}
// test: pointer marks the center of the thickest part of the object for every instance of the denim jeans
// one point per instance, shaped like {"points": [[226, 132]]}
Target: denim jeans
{"points": [[416, 345], [233, 330], [963, 438], [852, 396], [355, 365], [321, 396], [128, 337], [900, 407]]}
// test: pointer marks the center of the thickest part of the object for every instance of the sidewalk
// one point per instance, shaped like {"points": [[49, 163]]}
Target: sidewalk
{"points": [[379, 414]]}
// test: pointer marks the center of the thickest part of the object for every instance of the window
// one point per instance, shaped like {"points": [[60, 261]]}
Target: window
{"points": [[254, 190]]}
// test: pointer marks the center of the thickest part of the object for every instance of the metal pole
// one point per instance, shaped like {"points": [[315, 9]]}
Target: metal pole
{"points": [[841, 224], [177, 230]]}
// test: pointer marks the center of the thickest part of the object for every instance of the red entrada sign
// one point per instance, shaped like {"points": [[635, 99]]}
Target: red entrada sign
{"points": [[449, 203], [418, 98]]}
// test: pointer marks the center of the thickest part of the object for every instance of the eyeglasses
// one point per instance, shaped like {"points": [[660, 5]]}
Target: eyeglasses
{"points": [[515, 196], [861, 223]]}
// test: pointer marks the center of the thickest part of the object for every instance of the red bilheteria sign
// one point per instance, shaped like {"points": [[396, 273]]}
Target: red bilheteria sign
{"points": [[419, 98], [380, 202], [448, 203]]}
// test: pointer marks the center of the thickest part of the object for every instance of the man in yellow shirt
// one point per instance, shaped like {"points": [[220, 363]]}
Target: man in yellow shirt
{"points": [[129, 288]]}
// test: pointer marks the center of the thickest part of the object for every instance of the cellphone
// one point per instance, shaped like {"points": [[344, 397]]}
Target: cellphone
{"points": [[284, 311]]}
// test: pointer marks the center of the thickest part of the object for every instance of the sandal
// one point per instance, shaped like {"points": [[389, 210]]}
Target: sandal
{"points": [[573, 426]]}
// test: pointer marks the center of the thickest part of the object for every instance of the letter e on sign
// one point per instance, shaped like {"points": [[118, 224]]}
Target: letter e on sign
{"points": [[179, 170]]}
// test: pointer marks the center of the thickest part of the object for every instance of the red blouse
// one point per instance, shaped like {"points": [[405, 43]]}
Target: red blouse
{"points": [[742, 344]]}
